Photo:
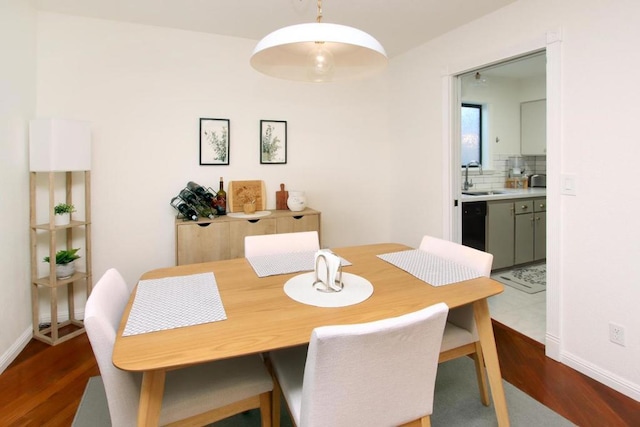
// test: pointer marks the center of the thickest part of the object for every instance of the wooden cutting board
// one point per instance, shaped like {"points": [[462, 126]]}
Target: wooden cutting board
{"points": [[281, 198], [237, 189]]}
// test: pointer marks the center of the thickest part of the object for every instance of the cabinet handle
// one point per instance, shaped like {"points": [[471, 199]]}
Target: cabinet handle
{"points": [[204, 224], [253, 221], [524, 207], [298, 216]]}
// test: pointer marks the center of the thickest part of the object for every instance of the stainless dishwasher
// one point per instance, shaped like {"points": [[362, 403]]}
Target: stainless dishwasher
{"points": [[474, 216]]}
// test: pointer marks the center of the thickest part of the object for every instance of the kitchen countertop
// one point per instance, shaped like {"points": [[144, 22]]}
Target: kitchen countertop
{"points": [[504, 194]]}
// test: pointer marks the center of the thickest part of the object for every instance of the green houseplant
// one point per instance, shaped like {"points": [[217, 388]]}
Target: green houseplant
{"points": [[65, 266], [62, 213], [62, 208]]}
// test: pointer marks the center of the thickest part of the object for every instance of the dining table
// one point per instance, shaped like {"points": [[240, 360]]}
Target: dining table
{"points": [[260, 317]]}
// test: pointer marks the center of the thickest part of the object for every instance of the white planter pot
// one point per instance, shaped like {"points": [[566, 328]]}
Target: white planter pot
{"points": [[62, 219], [64, 271], [297, 201]]}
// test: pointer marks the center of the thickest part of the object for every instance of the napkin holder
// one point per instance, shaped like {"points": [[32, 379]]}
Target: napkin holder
{"points": [[331, 280]]}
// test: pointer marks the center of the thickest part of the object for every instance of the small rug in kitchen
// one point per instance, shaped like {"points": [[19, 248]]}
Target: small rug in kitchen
{"points": [[531, 279]]}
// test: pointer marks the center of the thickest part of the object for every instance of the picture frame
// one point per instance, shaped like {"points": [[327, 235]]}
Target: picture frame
{"points": [[215, 137], [273, 142]]}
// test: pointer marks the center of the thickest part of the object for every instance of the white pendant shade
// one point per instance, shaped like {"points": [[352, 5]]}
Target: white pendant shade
{"points": [[286, 53]]}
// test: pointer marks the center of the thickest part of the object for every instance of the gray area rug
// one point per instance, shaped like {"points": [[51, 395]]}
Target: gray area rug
{"points": [[531, 279], [457, 403]]}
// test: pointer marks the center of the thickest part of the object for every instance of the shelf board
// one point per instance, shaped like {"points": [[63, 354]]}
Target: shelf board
{"points": [[45, 281], [47, 226]]}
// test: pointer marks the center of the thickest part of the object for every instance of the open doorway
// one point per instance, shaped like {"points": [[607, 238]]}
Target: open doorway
{"points": [[496, 157]]}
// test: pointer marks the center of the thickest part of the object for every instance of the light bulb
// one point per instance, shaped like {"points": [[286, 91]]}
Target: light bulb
{"points": [[320, 63]]}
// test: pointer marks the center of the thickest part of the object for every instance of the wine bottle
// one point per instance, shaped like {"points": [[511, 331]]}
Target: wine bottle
{"points": [[189, 197], [187, 211], [204, 194], [199, 198], [221, 200]]}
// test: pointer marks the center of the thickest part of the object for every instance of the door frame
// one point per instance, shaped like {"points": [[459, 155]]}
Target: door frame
{"points": [[550, 42]]}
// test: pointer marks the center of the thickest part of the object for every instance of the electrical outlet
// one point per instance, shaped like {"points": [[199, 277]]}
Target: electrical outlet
{"points": [[616, 333]]}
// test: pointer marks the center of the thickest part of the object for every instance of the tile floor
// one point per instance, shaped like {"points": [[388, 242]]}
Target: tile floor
{"points": [[526, 313]]}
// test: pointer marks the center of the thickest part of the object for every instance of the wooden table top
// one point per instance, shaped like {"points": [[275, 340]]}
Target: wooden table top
{"points": [[261, 317]]}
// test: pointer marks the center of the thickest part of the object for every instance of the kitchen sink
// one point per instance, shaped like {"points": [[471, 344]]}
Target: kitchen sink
{"points": [[482, 193]]}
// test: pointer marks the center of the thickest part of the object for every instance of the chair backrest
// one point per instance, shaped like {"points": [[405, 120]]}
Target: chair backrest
{"points": [[103, 312], [376, 373], [465, 255], [272, 244]]}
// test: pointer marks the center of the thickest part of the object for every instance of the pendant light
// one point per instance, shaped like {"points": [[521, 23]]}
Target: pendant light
{"points": [[318, 52], [479, 80]]}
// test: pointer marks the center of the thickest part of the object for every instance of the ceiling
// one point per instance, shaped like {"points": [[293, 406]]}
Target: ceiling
{"points": [[399, 25], [533, 65]]}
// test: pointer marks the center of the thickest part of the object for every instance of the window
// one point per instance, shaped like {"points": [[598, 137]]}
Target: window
{"points": [[471, 133]]}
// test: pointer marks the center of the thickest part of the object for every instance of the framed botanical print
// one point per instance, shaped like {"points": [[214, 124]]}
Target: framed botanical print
{"points": [[214, 141], [273, 142]]}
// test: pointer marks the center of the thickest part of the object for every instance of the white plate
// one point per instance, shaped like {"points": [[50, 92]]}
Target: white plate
{"points": [[257, 214], [356, 289]]}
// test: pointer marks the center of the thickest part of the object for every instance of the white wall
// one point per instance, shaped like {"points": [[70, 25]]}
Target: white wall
{"points": [[17, 106], [144, 89], [502, 98], [502, 102], [597, 239]]}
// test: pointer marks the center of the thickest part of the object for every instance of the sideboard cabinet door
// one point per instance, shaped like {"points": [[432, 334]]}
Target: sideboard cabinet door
{"points": [[248, 227], [202, 242]]}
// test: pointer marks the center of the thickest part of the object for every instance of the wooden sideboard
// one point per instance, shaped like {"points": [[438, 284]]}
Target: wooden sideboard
{"points": [[223, 237]]}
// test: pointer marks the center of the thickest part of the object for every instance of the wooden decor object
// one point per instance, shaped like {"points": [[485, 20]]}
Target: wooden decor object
{"points": [[281, 198], [235, 200]]}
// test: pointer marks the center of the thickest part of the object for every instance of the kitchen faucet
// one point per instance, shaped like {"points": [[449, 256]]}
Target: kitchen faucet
{"points": [[468, 184]]}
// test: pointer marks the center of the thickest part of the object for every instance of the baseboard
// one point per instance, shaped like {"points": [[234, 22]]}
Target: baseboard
{"points": [[63, 316], [605, 377], [552, 347], [15, 349]]}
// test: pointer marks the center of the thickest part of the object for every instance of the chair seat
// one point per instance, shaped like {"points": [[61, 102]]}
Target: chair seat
{"points": [[455, 336], [189, 390]]}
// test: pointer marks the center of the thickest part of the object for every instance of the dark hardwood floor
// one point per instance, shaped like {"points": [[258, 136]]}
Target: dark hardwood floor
{"points": [[44, 385]]}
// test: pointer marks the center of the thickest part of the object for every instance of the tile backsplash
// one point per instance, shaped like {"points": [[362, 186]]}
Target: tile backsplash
{"points": [[496, 177]]}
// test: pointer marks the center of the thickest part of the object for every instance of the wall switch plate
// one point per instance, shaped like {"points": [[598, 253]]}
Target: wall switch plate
{"points": [[569, 184], [616, 334]]}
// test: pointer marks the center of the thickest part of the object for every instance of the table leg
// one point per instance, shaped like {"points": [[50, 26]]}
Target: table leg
{"points": [[488, 343], [151, 398]]}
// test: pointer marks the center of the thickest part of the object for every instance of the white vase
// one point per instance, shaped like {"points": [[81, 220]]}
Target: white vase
{"points": [[64, 271], [62, 219], [297, 201]]}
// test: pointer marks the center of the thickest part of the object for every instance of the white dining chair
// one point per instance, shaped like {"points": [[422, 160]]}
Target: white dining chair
{"points": [[273, 244], [460, 333], [196, 395], [380, 373]]}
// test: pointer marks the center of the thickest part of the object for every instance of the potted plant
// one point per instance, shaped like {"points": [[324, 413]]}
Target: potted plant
{"points": [[62, 213], [248, 198], [65, 265]]}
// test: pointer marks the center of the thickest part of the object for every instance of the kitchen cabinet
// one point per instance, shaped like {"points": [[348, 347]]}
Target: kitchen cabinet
{"points": [[516, 231], [524, 231], [533, 127], [223, 237], [500, 232], [540, 229]]}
